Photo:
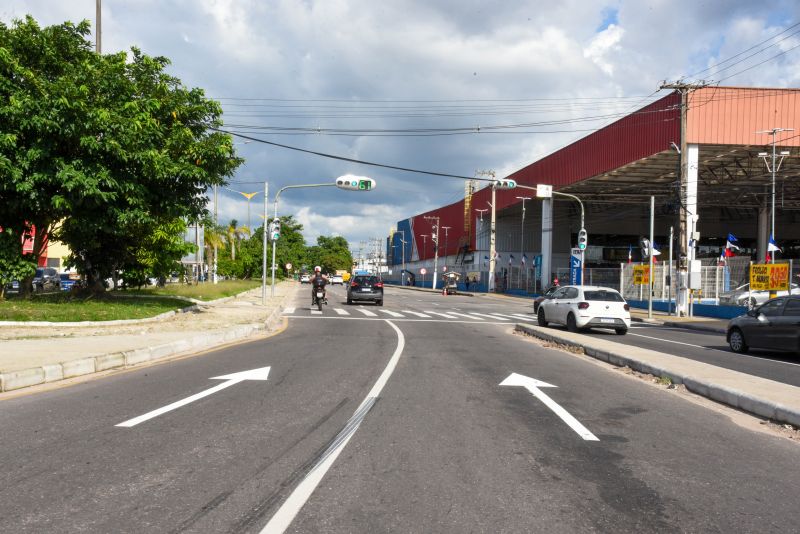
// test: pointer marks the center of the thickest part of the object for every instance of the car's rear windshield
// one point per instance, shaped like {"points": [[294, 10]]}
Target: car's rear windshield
{"points": [[367, 280], [607, 296]]}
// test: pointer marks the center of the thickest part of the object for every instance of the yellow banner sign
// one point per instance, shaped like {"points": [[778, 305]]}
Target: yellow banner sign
{"points": [[769, 276], [641, 275]]}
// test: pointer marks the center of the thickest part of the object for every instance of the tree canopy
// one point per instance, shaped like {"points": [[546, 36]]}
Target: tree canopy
{"points": [[101, 152]]}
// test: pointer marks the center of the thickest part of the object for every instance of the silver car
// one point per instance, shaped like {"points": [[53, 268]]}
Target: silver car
{"points": [[742, 296]]}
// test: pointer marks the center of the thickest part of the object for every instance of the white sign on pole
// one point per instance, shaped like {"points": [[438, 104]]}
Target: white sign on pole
{"points": [[544, 191], [288, 266], [423, 271]]}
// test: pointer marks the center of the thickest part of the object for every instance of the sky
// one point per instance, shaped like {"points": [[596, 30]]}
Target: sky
{"points": [[449, 86]]}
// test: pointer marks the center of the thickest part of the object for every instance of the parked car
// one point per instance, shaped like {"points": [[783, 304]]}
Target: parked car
{"points": [[68, 281], [742, 296], [365, 287], [13, 288], [579, 307], [773, 325], [305, 279], [337, 279], [46, 279], [546, 296]]}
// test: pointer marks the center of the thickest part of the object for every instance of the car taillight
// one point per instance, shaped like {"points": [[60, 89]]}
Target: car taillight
{"points": [[379, 284], [627, 308], [353, 284], [583, 305]]}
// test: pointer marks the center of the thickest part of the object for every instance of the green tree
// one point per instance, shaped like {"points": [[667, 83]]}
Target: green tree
{"points": [[100, 151], [13, 266], [234, 234], [331, 253]]}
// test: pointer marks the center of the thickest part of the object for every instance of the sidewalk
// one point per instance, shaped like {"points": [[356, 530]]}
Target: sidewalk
{"points": [[31, 355]]}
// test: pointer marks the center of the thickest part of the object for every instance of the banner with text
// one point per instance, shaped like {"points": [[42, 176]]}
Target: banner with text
{"points": [[641, 275], [769, 276]]}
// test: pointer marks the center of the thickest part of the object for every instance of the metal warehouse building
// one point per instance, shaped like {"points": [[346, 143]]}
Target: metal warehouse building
{"points": [[700, 152]]}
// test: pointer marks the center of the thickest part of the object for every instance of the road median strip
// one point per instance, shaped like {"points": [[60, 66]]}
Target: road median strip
{"points": [[13, 380], [759, 396]]}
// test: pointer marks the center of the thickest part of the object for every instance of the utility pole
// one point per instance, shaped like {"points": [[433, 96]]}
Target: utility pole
{"points": [[435, 238], [264, 252], [687, 220], [773, 169], [216, 232], [492, 229], [98, 34]]}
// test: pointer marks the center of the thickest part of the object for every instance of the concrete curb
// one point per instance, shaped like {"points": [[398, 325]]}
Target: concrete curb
{"points": [[746, 401], [678, 324], [14, 380]]}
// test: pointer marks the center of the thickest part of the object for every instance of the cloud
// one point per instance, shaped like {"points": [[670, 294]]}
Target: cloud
{"points": [[602, 45]]}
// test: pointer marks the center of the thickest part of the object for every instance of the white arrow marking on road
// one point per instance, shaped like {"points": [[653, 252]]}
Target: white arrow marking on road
{"points": [[235, 378], [533, 385]]}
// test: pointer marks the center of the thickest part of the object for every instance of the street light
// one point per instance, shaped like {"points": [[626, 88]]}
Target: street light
{"points": [[403, 251], [522, 237], [435, 239], [482, 211], [347, 182], [773, 169], [249, 197], [445, 228]]}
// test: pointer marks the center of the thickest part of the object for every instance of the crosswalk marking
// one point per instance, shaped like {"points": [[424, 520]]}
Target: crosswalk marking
{"points": [[316, 312], [511, 316], [490, 316], [341, 311], [526, 317], [418, 314], [367, 312], [393, 314], [467, 316], [289, 310], [446, 316]]}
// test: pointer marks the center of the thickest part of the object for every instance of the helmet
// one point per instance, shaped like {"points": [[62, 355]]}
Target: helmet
{"points": [[317, 269]]}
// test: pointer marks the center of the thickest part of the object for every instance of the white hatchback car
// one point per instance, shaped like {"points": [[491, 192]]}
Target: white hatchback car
{"points": [[579, 307]]}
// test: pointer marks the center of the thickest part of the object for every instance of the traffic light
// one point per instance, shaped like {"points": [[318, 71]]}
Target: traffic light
{"points": [[583, 239], [275, 229], [355, 183], [505, 184]]}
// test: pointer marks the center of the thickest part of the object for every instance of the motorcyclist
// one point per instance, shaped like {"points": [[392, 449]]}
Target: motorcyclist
{"points": [[319, 281]]}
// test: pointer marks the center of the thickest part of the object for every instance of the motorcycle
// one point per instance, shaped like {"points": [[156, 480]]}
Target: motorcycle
{"points": [[319, 298]]}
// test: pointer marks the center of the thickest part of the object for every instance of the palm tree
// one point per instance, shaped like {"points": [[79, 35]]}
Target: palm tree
{"points": [[213, 239], [235, 234]]}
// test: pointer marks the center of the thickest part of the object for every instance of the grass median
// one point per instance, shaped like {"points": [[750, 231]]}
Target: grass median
{"points": [[70, 308], [204, 291]]}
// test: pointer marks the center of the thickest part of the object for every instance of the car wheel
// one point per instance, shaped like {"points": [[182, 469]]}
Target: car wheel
{"points": [[349, 300], [540, 318], [572, 326], [379, 302], [621, 331], [736, 341]]}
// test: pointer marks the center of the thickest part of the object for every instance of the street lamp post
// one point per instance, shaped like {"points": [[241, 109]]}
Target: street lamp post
{"points": [[403, 253], [347, 182], [445, 228], [773, 169], [522, 238], [435, 238]]}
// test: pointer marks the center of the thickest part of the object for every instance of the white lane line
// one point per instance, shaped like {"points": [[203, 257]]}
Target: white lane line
{"points": [[316, 312], [729, 353], [445, 315], [288, 310], [467, 316], [516, 317], [490, 316], [416, 314], [341, 311], [393, 314], [367, 312], [289, 509]]}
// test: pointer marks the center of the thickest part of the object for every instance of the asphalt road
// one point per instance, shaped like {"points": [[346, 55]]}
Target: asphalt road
{"points": [[390, 422]]}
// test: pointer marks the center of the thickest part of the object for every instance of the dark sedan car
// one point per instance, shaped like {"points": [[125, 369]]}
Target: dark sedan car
{"points": [[365, 287], [46, 279], [773, 325]]}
